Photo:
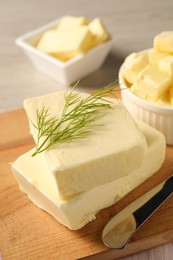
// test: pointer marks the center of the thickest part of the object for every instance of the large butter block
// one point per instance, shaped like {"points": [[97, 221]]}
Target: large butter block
{"points": [[68, 22], [166, 65], [152, 82], [164, 42], [155, 56], [133, 64], [99, 31], [38, 183], [109, 152], [66, 43]]}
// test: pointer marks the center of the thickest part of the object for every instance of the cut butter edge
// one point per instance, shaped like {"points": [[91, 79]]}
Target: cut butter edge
{"points": [[80, 209]]}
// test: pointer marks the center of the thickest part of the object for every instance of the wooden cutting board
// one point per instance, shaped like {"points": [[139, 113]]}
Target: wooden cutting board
{"points": [[27, 232]]}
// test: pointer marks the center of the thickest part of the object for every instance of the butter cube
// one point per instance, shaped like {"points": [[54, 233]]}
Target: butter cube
{"points": [[133, 64], [99, 31], [35, 179], [66, 43], [152, 82], [134, 88], [166, 65], [155, 56], [65, 56], [139, 93], [164, 42], [108, 153], [69, 22], [164, 100]]}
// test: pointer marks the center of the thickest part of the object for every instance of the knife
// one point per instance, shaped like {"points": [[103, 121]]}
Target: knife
{"points": [[118, 231]]}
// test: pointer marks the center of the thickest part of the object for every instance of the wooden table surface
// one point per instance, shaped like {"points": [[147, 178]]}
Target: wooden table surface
{"points": [[132, 24]]}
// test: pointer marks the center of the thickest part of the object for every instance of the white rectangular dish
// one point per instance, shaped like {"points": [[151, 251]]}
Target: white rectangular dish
{"points": [[64, 72]]}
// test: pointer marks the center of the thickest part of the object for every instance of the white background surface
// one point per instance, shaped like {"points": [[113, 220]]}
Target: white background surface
{"points": [[132, 24]]}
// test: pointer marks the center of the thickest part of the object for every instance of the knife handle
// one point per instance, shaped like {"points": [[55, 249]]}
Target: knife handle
{"points": [[151, 205]]}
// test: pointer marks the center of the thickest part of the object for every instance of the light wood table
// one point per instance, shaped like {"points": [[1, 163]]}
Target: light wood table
{"points": [[132, 25]]}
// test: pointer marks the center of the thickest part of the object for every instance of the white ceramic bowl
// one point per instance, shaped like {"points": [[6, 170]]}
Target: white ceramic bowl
{"points": [[160, 117], [64, 72]]}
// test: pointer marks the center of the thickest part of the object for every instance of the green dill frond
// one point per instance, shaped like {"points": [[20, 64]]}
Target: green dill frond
{"points": [[77, 118]]}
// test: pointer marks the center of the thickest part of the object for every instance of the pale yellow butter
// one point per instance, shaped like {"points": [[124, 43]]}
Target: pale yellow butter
{"points": [[108, 153], [66, 43], [171, 95], [164, 42], [166, 65], [152, 82], [36, 180], [99, 31], [155, 56], [69, 22], [72, 36], [133, 64], [164, 100], [134, 88]]}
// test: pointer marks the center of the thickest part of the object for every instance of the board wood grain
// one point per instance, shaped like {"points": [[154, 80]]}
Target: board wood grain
{"points": [[27, 232]]}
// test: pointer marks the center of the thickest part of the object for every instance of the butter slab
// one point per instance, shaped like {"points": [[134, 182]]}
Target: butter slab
{"points": [[110, 152], [36, 181]]}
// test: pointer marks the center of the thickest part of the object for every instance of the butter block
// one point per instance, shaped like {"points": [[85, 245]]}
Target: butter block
{"points": [[110, 152], [133, 64], [99, 31], [33, 175], [155, 56], [65, 43], [152, 82], [166, 65], [164, 42], [69, 22]]}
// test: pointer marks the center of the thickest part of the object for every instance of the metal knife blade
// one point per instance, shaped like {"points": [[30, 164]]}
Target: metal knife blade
{"points": [[122, 226]]}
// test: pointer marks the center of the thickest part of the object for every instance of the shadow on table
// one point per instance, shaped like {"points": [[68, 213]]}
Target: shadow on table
{"points": [[105, 75]]}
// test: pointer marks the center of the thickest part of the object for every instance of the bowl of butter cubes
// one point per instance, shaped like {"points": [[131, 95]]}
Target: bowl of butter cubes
{"points": [[146, 80], [69, 48]]}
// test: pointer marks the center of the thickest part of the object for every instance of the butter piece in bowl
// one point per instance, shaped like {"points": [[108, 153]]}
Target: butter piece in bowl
{"points": [[66, 44], [70, 57], [163, 42], [71, 22], [149, 95], [73, 36]]}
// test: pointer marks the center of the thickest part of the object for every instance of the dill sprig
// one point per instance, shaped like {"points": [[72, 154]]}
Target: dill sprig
{"points": [[78, 116]]}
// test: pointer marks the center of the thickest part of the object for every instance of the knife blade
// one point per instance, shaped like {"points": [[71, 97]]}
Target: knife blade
{"points": [[118, 231]]}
